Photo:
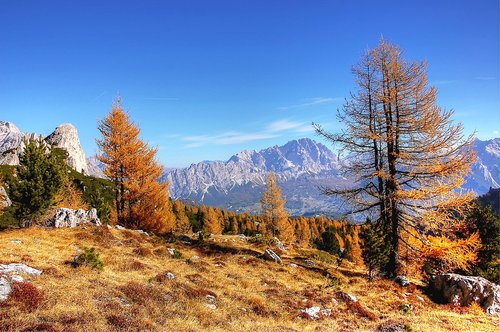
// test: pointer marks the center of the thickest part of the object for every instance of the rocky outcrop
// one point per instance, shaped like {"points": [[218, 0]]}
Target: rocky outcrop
{"points": [[464, 290], [402, 281], [72, 218], [272, 256], [4, 199], [11, 143], [66, 137]]}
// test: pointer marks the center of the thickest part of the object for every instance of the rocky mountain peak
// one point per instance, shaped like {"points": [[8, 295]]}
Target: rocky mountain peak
{"points": [[11, 143], [66, 137]]}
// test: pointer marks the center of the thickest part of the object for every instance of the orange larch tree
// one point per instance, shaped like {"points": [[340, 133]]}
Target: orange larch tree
{"points": [[141, 201], [274, 214], [407, 155]]}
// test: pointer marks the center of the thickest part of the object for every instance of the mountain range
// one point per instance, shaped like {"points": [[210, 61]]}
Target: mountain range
{"points": [[301, 166]]}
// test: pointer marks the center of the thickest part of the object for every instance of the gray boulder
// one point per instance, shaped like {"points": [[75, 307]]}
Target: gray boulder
{"points": [[72, 218], [16, 268], [5, 287], [272, 256], [464, 290], [4, 199]]}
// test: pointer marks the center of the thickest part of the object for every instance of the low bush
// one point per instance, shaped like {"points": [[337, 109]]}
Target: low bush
{"points": [[25, 295], [137, 292], [89, 257]]}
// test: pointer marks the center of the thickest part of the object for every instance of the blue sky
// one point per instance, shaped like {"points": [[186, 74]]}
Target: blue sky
{"points": [[206, 79]]}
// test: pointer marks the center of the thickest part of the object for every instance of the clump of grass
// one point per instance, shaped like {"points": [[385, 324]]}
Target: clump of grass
{"points": [[258, 306], [333, 282], [26, 296], [120, 321], [177, 254], [137, 292], [406, 308], [89, 257], [137, 266], [142, 251], [262, 240], [42, 327], [358, 308]]}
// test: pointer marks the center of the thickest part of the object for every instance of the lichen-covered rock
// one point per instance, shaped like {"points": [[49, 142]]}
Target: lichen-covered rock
{"points": [[66, 137], [272, 256], [464, 290], [5, 287], [71, 218], [16, 268]]}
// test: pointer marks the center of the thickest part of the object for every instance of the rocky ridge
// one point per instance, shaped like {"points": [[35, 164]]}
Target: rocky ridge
{"points": [[64, 136], [301, 166]]}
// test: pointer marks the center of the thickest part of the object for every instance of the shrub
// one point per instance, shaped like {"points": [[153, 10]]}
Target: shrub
{"points": [[137, 292], [333, 282], [26, 295], [176, 254], [137, 266], [89, 257], [119, 321], [262, 240]]}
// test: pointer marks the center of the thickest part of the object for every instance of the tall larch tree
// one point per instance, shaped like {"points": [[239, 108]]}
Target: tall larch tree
{"points": [[141, 201], [407, 156], [212, 222], [274, 214]]}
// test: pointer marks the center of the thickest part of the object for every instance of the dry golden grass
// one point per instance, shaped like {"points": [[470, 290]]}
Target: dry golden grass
{"points": [[134, 293]]}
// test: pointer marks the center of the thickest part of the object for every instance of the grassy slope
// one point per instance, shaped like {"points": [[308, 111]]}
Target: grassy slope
{"points": [[252, 294]]}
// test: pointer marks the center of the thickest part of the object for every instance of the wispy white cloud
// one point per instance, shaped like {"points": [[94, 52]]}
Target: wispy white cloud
{"points": [[282, 125], [312, 102], [272, 130]]}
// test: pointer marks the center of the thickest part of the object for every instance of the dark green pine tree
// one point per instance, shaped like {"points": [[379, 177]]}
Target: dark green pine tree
{"points": [[329, 241], [375, 250], [103, 207], [40, 176], [483, 220]]}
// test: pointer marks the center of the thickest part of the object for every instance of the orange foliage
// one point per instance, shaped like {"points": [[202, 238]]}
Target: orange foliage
{"points": [[71, 197], [141, 201], [273, 211]]}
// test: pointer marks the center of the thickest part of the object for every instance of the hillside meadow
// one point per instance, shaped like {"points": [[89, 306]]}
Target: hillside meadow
{"points": [[151, 283]]}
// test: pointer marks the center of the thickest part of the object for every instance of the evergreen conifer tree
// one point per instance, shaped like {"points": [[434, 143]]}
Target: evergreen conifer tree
{"points": [[40, 177], [375, 251]]}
